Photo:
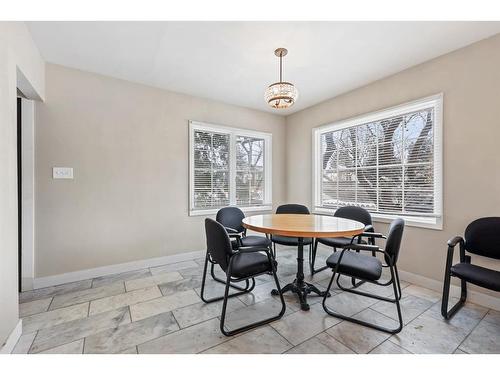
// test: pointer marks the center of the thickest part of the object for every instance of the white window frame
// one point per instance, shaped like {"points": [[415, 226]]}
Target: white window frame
{"points": [[434, 101], [233, 133]]}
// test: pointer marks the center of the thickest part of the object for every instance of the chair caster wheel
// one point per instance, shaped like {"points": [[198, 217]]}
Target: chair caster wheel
{"points": [[275, 292]]}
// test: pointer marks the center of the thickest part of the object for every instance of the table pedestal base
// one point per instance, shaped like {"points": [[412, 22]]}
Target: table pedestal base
{"points": [[302, 289], [299, 286]]}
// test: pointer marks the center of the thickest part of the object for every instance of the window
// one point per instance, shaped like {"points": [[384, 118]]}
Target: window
{"points": [[388, 162], [229, 166]]}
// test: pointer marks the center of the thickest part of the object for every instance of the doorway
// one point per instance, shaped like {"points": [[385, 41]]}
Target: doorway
{"points": [[25, 142], [19, 193]]}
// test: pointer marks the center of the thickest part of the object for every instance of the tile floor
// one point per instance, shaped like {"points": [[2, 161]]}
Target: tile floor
{"points": [[158, 310]]}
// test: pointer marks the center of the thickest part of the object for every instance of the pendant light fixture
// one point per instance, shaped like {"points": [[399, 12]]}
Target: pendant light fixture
{"points": [[281, 94]]}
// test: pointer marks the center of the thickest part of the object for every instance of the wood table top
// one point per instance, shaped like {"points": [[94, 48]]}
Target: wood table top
{"points": [[293, 225]]}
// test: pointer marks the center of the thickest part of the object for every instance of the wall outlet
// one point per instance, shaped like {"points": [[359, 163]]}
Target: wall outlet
{"points": [[62, 172]]}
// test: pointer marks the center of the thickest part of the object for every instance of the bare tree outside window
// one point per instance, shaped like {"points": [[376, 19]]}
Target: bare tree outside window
{"points": [[384, 166], [229, 167], [249, 171], [211, 169]]}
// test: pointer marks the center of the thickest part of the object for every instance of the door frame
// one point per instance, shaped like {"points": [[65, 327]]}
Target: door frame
{"points": [[27, 228]]}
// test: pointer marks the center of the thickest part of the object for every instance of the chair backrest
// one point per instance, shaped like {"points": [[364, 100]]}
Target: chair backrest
{"points": [[218, 243], [482, 237], [231, 217], [292, 209], [354, 213], [394, 237]]}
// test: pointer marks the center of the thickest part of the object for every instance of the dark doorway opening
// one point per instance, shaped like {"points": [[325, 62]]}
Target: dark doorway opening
{"points": [[19, 190]]}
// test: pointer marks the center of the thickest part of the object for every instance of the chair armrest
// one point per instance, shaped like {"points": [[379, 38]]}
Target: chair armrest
{"points": [[248, 249], [355, 246], [372, 235], [452, 242], [233, 232], [369, 228], [370, 248], [243, 250]]}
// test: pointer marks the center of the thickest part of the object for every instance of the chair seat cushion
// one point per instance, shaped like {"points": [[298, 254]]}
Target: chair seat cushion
{"points": [[483, 277], [289, 241], [337, 242], [255, 241], [355, 264], [248, 264]]}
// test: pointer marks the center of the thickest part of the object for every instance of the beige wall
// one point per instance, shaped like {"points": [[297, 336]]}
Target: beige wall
{"points": [[128, 145], [470, 81], [17, 53]]}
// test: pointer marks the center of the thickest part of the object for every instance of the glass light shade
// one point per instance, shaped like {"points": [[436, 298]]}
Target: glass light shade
{"points": [[281, 95]]}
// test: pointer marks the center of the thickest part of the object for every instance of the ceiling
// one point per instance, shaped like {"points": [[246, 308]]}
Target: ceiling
{"points": [[233, 62]]}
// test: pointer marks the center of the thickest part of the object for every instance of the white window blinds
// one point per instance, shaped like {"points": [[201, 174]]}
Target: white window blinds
{"points": [[388, 162], [211, 169], [229, 166]]}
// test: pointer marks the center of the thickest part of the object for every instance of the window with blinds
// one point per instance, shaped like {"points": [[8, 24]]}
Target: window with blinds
{"points": [[388, 162], [249, 171], [211, 169], [229, 166]]}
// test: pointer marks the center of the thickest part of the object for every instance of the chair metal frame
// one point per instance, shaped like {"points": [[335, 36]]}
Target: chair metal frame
{"points": [[247, 289], [371, 241], [235, 233], [481, 237], [394, 280], [447, 314], [352, 289]]}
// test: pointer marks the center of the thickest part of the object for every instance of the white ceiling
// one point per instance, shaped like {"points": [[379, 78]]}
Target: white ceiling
{"points": [[233, 62]]}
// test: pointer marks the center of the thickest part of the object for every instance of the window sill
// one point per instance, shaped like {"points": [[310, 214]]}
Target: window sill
{"points": [[213, 211], [412, 221]]}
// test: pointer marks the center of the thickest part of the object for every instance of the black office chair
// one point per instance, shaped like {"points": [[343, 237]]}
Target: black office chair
{"points": [[348, 212], [231, 218], [239, 265], [369, 269], [291, 241], [482, 237]]}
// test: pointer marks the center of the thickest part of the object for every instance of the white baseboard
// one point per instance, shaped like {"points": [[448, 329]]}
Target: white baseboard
{"points": [[13, 338], [43, 282], [472, 296]]}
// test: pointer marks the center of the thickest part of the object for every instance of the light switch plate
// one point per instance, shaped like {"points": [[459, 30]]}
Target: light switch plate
{"points": [[62, 172]]}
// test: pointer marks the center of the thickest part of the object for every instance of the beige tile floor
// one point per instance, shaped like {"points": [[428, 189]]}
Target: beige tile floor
{"points": [[158, 310]]}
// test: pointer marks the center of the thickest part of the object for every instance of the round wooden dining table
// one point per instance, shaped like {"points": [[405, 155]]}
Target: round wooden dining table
{"points": [[303, 226]]}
